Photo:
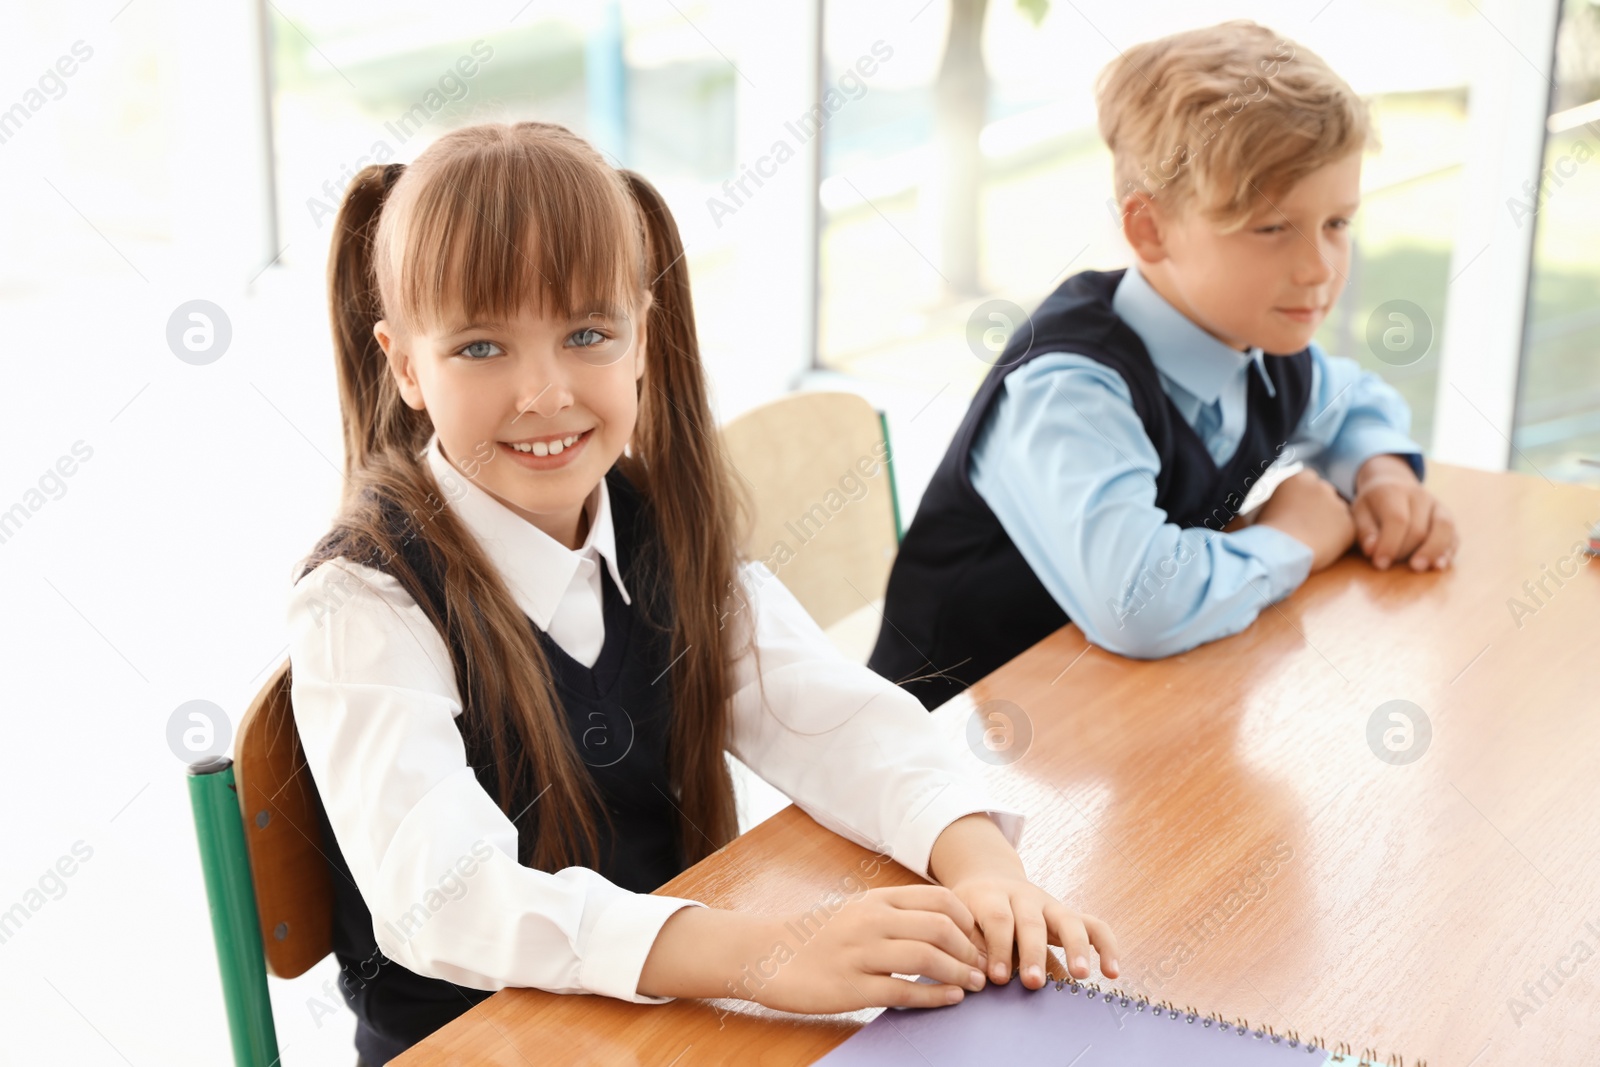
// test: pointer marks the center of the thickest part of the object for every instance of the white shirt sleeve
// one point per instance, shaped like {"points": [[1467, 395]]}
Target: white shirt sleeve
{"points": [[856, 752], [432, 854]]}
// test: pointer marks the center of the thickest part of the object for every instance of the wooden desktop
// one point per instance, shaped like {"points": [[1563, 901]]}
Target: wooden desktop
{"points": [[1246, 818]]}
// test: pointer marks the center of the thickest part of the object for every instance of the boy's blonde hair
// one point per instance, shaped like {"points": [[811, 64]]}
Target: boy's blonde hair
{"points": [[1224, 116]]}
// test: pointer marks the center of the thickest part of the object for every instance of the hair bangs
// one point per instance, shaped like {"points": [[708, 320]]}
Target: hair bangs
{"points": [[504, 225]]}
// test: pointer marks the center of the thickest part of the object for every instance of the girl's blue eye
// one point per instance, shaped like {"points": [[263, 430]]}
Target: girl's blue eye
{"points": [[604, 342], [474, 351], [1339, 224], [1271, 229]]}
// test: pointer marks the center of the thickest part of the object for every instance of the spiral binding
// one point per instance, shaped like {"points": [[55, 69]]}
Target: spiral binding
{"points": [[1340, 1051]]}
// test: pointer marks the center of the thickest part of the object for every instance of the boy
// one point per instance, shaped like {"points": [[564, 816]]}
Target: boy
{"points": [[1118, 433]]}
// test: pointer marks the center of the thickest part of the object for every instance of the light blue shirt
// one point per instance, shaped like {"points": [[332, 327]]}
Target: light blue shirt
{"points": [[1064, 463]]}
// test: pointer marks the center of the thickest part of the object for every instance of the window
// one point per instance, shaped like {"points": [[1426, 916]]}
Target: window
{"points": [[908, 253], [1558, 401]]}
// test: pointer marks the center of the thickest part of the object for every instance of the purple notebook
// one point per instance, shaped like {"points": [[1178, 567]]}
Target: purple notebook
{"points": [[1072, 1025]]}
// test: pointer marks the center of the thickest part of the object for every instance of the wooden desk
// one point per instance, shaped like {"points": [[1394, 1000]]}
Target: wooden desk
{"points": [[1403, 907]]}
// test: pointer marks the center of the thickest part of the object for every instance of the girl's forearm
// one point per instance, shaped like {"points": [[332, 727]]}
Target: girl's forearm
{"points": [[700, 952]]}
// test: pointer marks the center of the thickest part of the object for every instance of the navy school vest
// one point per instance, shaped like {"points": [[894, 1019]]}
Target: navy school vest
{"points": [[619, 720], [961, 599]]}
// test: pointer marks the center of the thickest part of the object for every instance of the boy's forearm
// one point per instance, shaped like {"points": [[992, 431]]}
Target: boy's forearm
{"points": [[1355, 416]]}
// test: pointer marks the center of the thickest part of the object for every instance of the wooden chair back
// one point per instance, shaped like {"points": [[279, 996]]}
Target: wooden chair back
{"points": [[817, 467], [277, 801]]}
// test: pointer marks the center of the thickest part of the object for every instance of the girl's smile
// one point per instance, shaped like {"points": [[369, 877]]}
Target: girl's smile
{"points": [[549, 452]]}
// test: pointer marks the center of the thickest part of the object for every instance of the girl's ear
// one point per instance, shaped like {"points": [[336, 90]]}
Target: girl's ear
{"points": [[400, 366], [641, 337]]}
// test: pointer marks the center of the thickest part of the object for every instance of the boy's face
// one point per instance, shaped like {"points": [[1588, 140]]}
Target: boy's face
{"points": [[1269, 283]]}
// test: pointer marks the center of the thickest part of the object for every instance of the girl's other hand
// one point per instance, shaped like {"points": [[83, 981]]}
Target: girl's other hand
{"points": [[821, 961], [980, 867], [1013, 913]]}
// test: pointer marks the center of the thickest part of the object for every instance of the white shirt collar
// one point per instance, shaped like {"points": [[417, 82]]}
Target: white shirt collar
{"points": [[1178, 347], [536, 567]]}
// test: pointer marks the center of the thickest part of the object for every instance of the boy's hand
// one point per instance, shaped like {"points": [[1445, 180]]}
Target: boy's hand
{"points": [[975, 861], [1312, 512], [1397, 518]]}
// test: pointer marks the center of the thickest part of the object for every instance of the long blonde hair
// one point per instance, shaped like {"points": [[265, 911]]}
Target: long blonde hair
{"points": [[486, 219]]}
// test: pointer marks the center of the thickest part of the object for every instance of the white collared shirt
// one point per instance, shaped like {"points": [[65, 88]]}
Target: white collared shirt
{"points": [[555, 586], [375, 701]]}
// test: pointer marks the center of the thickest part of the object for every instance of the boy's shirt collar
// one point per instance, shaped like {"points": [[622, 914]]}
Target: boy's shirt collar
{"points": [[1181, 350], [536, 567]]}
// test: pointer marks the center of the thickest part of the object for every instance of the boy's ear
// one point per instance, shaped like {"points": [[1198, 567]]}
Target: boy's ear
{"points": [[1143, 227], [399, 365]]}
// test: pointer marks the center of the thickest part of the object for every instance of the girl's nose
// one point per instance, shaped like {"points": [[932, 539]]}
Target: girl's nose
{"points": [[547, 401], [544, 391]]}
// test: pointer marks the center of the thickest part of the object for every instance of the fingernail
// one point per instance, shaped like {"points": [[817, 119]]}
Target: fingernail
{"points": [[954, 994], [975, 979], [1109, 966], [1418, 563], [1382, 562], [999, 972], [1081, 963]]}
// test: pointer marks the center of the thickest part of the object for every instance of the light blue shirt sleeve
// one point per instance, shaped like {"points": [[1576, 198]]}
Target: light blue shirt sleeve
{"points": [[1064, 463], [1352, 415]]}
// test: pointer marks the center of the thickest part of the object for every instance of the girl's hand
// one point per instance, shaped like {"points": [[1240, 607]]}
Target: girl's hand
{"points": [[821, 961], [1011, 910], [974, 859]]}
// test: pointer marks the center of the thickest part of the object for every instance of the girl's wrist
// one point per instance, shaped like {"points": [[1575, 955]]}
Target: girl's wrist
{"points": [[973, 846], [702, 953]]}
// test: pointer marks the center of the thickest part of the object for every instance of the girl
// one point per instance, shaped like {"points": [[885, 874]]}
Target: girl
{"points": [[513, 671]]}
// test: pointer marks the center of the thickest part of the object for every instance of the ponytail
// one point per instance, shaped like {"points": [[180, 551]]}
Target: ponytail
{"points": [[374, 415], [686, 479]]}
